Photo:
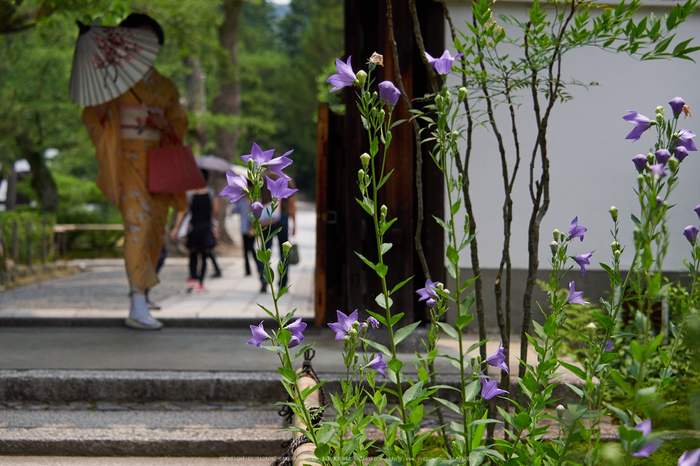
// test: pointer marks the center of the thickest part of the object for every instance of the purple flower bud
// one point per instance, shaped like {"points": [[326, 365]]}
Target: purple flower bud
{"points": [[388, 92], [257, 209], [697, 210], [659, 201], [373, 322], [662, 156], [498, 359], [640, 162], [685, 139], [608, 346], [680, 153], [691, 232], [677, 104], [657, 170]]}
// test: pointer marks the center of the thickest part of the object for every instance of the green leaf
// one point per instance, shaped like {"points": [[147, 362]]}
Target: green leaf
{"points": [[386, 247], [621, 382], [378, 347], [288, 374], [455, 207], [452, 255], [448, 329], [382, 302], [463, 321], [576, 370], [522, 421], [367, 261], [400, 285], [404, 332], [417, 414], [637, 351], [471, 390], [647, 258], [605, 321]]}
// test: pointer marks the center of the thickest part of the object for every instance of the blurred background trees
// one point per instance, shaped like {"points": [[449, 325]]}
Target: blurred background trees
{"points": [[247, 70]]}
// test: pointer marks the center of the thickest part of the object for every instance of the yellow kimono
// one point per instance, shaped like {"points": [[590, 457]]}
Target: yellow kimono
{"points": [[122, 140]]}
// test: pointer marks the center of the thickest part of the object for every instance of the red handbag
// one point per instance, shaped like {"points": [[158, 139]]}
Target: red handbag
{"points": [[173, 169]]}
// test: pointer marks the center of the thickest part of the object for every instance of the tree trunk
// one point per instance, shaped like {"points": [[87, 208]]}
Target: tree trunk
{"points": [[228, 102], [195, 95], [42, 180]]}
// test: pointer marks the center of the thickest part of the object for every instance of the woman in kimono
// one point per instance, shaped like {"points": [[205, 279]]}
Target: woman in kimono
{"points": [[123, 130]]}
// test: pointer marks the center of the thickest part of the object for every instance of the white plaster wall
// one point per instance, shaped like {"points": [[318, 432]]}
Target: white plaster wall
{"points": [[591, 165]]}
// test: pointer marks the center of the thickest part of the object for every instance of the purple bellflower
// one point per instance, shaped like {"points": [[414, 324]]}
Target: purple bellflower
{"points": [[697, 210], [575, 230], [296, 328], [583, 260], [652, 445], [662, 156], [640, 162], [388, 92], [373, 322], [689, 458], [498, 359], [685, 139], [378, 365], [344, 77], [680, 153], [489, 389], [691, 233], [657, 170], [659, 201], [677, 104], [261, 157], [259, 335], [237, 186], [279, 189], [344, 324], [442, 65], [428, 292], [640, 122], [278, 164], [575, 297]]}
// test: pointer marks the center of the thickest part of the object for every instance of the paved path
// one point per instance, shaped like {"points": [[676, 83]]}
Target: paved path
{"points": [[101, 289]]}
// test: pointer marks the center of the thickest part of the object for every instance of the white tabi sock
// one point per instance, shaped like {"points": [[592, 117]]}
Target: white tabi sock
{"points": [[139, 308]]}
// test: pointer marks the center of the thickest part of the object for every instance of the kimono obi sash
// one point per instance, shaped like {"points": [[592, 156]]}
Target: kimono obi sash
{"points": [[132, 120]]}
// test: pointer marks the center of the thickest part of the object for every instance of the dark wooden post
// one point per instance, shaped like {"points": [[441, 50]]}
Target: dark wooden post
{"points": [[15, 242], [349, 283], [43, 242], [28, 232]]}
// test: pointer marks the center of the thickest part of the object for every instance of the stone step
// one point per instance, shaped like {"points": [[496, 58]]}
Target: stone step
{"points": [[141, 429]]}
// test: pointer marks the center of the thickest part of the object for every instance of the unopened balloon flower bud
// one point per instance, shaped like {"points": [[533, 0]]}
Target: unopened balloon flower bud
{"points": [[446, 291], [555, 233], [613, 213], [384, 210], [615, 246], [660, 111], [382, 114], [361, 77], [286, 247], [356, 325], [618, 254], [361, 175], [651, 158], [591, 327], [462, 94], [560, 411], [438, 99], [673, 164], [660, 117], [554, 246], [440, 286], [365, 158]]}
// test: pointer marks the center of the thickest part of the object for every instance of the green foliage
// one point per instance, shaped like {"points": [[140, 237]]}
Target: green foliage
{"points": [[29, 226]]}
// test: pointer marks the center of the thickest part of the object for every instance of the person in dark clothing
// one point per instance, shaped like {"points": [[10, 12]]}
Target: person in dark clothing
{"points": [[287, 212], [201, 236]]}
